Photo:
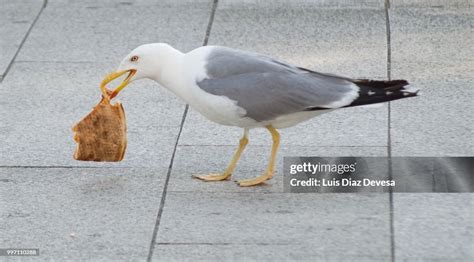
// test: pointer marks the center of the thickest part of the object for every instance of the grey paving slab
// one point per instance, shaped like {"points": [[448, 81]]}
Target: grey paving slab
{"points": [[95, 33], [80, 213], [432, 48], [344, 41], [16, 18], [44, 100], [192, 160], [319, 3], [204, 252], [434, 227], [439, 36], [431, 3], [114, 3], [313, 222]]}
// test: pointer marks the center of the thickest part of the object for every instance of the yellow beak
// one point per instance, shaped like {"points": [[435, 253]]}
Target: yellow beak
{"points": [[110, 77]]}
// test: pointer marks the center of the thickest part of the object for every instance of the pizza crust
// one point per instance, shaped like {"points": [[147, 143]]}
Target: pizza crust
{"points": [[102, 134]]}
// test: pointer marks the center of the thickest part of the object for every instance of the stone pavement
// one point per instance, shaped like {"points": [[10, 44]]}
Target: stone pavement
{"points": [[54, 53]]}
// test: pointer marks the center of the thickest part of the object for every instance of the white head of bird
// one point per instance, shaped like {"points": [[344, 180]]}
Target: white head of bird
{"points": [[145, 61]]}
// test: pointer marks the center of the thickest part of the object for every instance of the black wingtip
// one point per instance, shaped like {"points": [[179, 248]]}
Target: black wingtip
{"points": [[374, 91], [381, 83]]}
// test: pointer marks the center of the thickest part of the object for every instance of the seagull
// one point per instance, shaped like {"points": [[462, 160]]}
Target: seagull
{"points": [[249, 90]]}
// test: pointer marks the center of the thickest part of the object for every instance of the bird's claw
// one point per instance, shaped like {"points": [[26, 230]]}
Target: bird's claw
{"points": [[255, 181], [213, 177]]}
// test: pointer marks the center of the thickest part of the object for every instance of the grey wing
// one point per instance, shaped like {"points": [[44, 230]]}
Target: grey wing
{"points": [[267, 88]]}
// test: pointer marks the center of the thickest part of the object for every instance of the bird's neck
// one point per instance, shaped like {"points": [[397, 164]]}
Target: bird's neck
{"points": [[170, 74]]}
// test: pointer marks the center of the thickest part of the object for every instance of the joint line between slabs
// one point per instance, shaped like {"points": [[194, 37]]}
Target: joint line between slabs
{"points": [[168, 175], [389, 133], [45, 2]]}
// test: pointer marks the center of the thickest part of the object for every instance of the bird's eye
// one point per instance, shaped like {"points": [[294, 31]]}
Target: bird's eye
{"points": [[134, 58]]}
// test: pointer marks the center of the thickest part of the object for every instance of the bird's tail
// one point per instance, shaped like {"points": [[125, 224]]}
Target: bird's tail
{"points": [[373, 91]]}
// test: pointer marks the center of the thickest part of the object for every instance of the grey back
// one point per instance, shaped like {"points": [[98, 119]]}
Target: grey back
{"points": [[267, 88]]}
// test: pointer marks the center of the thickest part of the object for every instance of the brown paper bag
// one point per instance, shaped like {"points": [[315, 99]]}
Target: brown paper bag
{"points": [[102, 134]]}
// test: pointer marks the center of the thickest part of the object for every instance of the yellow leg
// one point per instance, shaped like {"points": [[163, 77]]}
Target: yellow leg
{"points": [[271, 165], [233, 163]]}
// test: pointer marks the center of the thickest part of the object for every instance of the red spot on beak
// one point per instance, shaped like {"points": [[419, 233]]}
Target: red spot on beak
{"points": [[113, 94]]}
